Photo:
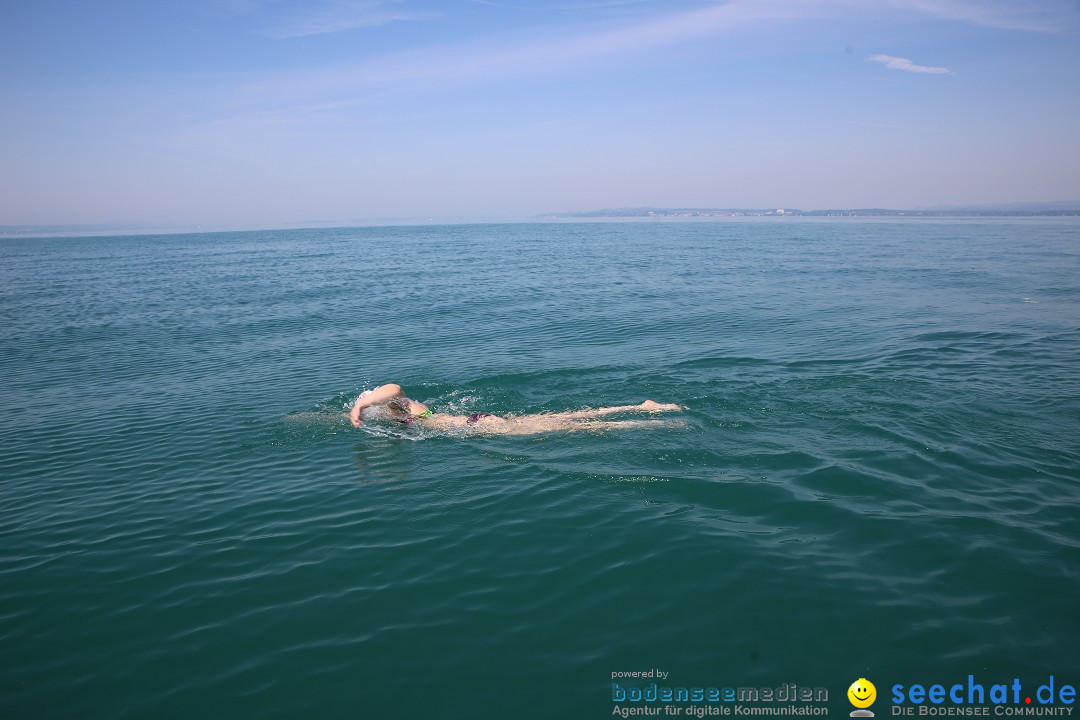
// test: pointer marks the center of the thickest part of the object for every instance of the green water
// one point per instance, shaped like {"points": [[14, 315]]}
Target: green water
{"points": [[877, 474]]}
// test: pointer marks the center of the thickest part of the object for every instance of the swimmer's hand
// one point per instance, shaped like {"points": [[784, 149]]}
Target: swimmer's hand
{"points": [[357, 412]]}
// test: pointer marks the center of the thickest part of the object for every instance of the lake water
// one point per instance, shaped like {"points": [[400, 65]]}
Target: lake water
{"points": [[877, 474]]}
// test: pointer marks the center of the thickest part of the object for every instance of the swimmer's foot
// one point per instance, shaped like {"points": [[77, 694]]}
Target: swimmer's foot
{"points": [[653, 406]]}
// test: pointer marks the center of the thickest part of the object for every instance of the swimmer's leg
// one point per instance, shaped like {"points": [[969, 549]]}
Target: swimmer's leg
{"points": [[632, 424], [534, 424], [647, 406], [653, 406]]}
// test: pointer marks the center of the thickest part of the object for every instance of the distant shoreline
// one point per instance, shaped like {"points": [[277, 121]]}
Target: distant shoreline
{"points": [[629, 214], [1006, 211]]}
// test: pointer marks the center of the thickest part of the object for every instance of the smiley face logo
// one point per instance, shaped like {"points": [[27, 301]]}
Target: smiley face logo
{"points": [[862, 693]]}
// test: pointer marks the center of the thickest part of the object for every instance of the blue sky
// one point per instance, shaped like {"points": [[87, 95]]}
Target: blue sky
{"points": [[266, 112]]}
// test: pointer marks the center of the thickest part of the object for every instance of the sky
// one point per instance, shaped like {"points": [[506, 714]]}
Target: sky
{"points": [[260, 113]]}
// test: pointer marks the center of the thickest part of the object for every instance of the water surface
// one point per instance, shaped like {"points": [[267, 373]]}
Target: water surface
{"points": [[876, 476]]}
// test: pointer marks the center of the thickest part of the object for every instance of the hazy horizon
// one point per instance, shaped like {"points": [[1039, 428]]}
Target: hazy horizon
{"points": [[277, 113], [1003, 211]]}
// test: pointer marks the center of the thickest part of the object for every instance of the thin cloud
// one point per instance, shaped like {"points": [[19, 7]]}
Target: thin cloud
{"points": [[899, 63], [338, 16], [1042, 16], [277, 96], [507, 56], [491, 57]]}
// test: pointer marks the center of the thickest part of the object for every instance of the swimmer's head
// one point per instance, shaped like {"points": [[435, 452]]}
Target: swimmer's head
{"points": [[402, 407], [399, 404]]}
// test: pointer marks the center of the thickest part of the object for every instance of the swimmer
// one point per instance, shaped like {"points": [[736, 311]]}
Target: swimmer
{"points": [[407, 412]]}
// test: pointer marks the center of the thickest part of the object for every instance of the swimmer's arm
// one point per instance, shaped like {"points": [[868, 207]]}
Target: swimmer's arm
{"points": [[378, 396]]}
